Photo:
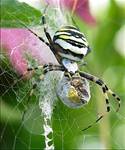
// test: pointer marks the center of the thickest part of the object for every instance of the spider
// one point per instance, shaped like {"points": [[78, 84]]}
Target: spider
{"points": [[70, 46]]}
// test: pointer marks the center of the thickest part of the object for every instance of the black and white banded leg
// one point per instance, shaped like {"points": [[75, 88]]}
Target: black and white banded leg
{"points": [[39, 37], [45, 26], [48, 36], [105, 90], [104, 87], [51, 67], [47, 67]]}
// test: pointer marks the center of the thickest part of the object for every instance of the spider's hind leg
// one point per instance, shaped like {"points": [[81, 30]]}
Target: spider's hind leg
{"points": [[116, 97], [97, 120], [105, 90], [104, 87]]}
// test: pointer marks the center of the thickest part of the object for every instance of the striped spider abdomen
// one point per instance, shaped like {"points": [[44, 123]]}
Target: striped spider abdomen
{"points": [[70, 43]]}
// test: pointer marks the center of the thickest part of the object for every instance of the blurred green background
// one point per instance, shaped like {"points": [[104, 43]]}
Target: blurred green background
{"points": [[105, 61]]}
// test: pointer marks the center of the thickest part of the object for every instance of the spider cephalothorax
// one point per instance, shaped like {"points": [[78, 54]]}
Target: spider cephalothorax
{"points": [[69, 45]]}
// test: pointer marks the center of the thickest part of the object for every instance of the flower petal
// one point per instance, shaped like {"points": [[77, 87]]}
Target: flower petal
{"points": [[18, 42]]}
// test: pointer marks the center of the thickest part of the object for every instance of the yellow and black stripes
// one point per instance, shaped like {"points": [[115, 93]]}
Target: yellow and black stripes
{"points": [[72, 32], [70, 39], [68, 54]]}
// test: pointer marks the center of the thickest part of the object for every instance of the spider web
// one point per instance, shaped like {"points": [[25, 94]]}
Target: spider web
{"points": [[67, 123]]}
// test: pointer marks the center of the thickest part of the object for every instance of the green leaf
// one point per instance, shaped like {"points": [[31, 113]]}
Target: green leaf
{"points": [[8, 113], [13, 13]]}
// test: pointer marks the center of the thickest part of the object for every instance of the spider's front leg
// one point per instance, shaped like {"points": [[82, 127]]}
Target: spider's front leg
{"points": [[44, 68], [104, 87], [51, 67], [45, 27], [47, 67], [39, 37]]}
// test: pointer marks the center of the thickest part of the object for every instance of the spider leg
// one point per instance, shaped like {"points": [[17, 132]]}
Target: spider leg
{"points": [[116, 97], [105, 90], [93, 123], [51, 67], [40, 38], [45, 27], [50, 44], [46, 68], [50, 41], [30, 30], [104, 87], [99, 118]]}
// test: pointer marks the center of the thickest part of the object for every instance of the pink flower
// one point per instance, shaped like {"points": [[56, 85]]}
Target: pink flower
{"points": [[18, 42]]}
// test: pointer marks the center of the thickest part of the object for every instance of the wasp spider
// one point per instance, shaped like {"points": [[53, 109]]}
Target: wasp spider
{"points": [[70, 46]]}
